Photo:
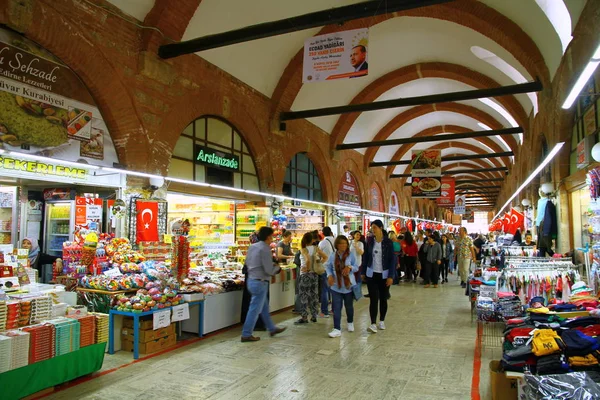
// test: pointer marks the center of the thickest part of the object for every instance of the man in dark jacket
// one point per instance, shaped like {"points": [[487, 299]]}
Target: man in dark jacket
{"points": [[434, 259]]}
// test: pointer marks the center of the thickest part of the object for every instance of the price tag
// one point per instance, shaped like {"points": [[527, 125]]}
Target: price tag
{"points": [[181, 312], [487, 291], [112, 272], [161, 319], [93, 212]]}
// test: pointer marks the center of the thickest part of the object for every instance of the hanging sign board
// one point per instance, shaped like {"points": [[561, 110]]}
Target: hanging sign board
{"points": [[447, 194], [394, 207], [426, 173], [376, 198], [349, 193], [460, 205], [44, 107], [88, 211], [339, 55]]}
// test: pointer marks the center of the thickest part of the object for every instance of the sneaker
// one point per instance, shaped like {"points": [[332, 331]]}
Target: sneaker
{"points": [[323, 315], [335, 333], [350, 327], [372, 328], [301, 321], [381, 325], [250, 339], [426, 286], [443, 280], [435, 286]]}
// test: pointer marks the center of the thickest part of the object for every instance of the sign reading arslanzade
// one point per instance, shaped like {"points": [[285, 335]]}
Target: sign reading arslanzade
{"points": [[216, 158], [15, 165]]}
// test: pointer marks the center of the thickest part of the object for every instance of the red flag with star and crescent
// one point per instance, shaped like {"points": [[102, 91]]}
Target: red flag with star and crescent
{"points": [[147, 221], [506, 222], [517, 220]]}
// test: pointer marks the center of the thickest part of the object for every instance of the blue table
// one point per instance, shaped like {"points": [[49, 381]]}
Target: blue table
{"points": [[136, 328]]}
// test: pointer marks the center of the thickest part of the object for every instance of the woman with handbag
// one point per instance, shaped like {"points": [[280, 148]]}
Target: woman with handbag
{"points": [[379, 270], [340, 278], [308, 281]]}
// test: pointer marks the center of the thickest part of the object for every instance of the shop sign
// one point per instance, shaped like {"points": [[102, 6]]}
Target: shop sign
{"points": [[584, 151], [38, 169], [46, 109], [460, 205], [88, 212], [426, 173], [338, 55], [469, 216], [589, 121], [394, 207], [217, 159], [447, 194], [349, 194], [376, 198]]}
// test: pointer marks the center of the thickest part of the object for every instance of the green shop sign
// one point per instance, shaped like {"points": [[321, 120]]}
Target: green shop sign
{"points": [[217, 159]]}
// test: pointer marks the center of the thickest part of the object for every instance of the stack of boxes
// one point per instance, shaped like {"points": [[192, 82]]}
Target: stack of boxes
{"points": [[150, 341]]}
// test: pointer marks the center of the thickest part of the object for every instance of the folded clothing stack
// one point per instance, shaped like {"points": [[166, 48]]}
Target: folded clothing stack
{"points": [[509, 307]]}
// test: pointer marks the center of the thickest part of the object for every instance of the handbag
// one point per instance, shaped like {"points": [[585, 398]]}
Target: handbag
{"points": [[317, 266], [357, 291]]}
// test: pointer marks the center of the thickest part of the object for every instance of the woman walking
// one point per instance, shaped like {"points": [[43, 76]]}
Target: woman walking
{"points": [[357, 249], [309, 280], [340, 277], [410, 251], [446, 256], [379, 270]]}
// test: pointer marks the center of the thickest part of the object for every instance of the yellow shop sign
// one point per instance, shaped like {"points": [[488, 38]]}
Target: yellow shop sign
{"points": [[10, 164]]}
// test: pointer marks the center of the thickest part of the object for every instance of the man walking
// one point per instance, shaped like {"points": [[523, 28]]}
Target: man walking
{"points": [[259, 262], [464, 253]]}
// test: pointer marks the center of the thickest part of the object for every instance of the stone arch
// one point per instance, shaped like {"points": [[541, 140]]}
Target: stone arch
{"points": [[474, 15]]}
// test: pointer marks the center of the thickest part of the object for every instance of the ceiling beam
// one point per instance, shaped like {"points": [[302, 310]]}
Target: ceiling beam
{"points": [[475, 94], [338, 15], [444, 159], [436, 138], [465, 188], [457, 171]]}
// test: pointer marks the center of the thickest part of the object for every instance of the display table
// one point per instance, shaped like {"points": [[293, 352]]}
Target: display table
{"points": [[283, 290], [136, 330], [22, 382]]}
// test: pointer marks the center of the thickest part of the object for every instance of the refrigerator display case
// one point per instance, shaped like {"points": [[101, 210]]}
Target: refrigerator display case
{"points": [[59, 226], [8, 217]]}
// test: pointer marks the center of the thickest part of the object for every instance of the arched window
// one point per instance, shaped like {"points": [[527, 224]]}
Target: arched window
{"points": [[302, 180], [210, 150]]}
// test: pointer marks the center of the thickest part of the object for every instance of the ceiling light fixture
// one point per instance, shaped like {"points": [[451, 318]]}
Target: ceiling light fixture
{"points": [[50, 160], [548, 158], [582, 80]]}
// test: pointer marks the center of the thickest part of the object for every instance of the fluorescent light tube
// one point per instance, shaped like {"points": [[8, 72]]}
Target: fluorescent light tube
{"points": [[582, 80], [548, 158], [134, 173], [50, 160]]}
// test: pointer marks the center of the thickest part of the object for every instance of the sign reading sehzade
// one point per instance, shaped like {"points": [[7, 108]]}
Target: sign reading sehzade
{"points": [[337, 55], [45, 109], [349, 193], [217, 159], [448, 192]]}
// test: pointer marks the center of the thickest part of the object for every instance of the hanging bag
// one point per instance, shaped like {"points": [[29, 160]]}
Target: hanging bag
{"points": [[317, 265]]}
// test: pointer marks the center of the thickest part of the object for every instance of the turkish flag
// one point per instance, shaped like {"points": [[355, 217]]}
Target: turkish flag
{"points": [[397, 225], [506, 222], [147, 221], [517, 220], [409, 226]]}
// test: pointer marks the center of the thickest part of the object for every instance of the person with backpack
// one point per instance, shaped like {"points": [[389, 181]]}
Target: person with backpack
{"points": [[326, 246], [308, 281]]}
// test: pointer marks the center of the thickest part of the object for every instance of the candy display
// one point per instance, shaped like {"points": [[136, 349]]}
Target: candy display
{"points": [[119, 251], [146, 300], [113, 284], [180, 253], [214, 281]]}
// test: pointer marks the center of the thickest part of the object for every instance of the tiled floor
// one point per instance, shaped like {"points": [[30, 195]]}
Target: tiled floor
{"points": [[426, 353]]}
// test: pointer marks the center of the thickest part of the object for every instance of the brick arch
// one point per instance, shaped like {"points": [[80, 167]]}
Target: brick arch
{"points": [[112, 96], [316, 157], [474, 15], [350, 164], [424, 70], [171, 21], [420, 111]]}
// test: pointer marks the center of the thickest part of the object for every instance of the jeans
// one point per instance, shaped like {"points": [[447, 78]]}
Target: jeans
{"points": [[410, 266], [325, 293], [258, 305], [378, 296], [444, 268], [339, 299], [432, 273], [464, 266]]}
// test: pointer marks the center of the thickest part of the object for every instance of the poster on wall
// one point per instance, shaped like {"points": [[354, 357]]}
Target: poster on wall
{"points": [[394, 207], [447, 194], [426, 173], [88, 213], [376, 198], [349, 193], [339, 55], [589, 121], [460, 205], [45, 109]]}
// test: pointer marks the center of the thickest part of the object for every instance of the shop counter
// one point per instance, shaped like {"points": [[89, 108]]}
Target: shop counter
{"points": [[136, 331], [220, 311], [22, 382], [283, 290]]}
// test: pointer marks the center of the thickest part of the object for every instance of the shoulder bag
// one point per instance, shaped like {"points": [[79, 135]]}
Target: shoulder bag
{"points": [[317, 265]]}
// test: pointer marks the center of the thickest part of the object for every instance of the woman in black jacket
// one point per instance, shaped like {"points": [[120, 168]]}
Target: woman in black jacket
{"points": [[446, 252], [379, 271]]}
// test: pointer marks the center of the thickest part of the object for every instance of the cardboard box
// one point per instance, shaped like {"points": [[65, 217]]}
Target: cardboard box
{"points": [[150, 347], [502, 387], [148, 334], [144, 324]]}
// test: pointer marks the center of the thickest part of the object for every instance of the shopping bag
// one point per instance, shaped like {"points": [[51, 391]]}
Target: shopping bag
{"points": [[357, 292]]}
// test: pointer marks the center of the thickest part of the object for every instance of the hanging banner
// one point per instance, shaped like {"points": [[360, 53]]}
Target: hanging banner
{"points": [[426, 172], [394, 207], [460, 205], [337, 55], [349, 193], [147, 221], [45, 109], [517, 221], [376, 198], [447, 196]]}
